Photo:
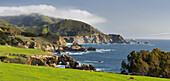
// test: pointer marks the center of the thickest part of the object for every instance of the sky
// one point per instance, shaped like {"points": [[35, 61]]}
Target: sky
{"points": [[139, 19]]}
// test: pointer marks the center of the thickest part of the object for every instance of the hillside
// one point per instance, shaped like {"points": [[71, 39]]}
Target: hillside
{"points": [[42, 24], [30, 20], [73, 28], [33, 23], [66, 28], [5, 24], [18, 72], [9, 35]]}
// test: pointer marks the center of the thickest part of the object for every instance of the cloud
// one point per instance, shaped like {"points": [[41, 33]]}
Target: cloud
{"points": [[164, 35], [67, 13], [161, 34]]}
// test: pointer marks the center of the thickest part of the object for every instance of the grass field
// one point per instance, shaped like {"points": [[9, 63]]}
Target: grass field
{"points": [[19, 72], [14, 50], [10, 56]]}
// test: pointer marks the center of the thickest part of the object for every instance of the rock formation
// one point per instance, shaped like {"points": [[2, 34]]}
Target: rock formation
{"points": [[96, 38], [75, 47], [91, 49], [47, 60]]}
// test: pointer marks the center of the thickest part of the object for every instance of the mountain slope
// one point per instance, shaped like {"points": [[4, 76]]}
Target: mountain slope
{"points": [[14, 36], [43, 24], [73, 28], [33, 23], [5, 24], [30, 20]]}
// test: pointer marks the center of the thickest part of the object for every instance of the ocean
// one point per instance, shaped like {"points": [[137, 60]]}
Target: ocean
{"points": [[108, 57]]}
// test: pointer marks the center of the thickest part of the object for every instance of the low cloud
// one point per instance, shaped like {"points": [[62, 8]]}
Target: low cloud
{"points": [[155, 36], [67, 13], [161, 34]]}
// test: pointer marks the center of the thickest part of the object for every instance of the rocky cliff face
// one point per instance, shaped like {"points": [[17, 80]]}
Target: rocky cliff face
{"points": [[117, 39], [96, 39]]}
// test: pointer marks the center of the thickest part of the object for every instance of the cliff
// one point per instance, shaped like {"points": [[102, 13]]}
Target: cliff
{"points": [[95, 39]]}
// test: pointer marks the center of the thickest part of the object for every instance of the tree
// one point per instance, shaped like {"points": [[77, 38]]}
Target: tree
{"points": [[123, 67], [153, 63]]}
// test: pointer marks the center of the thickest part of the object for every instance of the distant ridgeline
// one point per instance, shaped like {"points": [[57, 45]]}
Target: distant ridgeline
{"points": [[70, 30]]}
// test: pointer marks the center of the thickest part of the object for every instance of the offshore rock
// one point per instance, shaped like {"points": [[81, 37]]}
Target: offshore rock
{"points": [[91, 49]]}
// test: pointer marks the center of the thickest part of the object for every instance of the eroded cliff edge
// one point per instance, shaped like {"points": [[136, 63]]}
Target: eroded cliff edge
{"points": [[96, 38]]}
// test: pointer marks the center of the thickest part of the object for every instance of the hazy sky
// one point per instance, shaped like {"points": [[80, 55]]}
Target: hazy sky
{"points": [[147, 19]]}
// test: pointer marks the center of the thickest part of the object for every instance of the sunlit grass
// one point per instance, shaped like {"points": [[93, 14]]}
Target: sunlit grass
{"points": [[15, 50], [19, 72]]}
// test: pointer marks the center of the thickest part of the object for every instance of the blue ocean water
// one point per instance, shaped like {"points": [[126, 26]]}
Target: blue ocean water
{"points": [[109, 56]]}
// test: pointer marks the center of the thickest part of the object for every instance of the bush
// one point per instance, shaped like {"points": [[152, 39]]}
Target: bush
{"points": [[2, 42], [2, 58], [29, 34], [32, 39]]}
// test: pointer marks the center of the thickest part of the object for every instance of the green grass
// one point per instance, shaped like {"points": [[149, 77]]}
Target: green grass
{"points": [[9, 56], [39, 40], [19, 72], [14, 50]]}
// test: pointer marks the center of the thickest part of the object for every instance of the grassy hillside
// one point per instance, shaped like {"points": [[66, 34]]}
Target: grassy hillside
{"points": [[33, 23], [5, 24], [18, 72], [42, 24], [73, 28], [30, 20], [14, 50]]}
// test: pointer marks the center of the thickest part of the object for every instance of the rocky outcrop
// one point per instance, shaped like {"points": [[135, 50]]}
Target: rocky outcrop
{"points": [[43, 60], [71, 63], [75, 47], [86, 67], [46, 47], [68, 60], [47, 60], [61, 41], [96, 38], [117, 39], [91, 49], [52, 60]]}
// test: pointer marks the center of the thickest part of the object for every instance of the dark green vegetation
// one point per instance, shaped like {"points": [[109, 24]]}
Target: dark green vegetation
{"points": [[7, 36], [5, 24], [42, 24], [18, 72], [153, 63]]}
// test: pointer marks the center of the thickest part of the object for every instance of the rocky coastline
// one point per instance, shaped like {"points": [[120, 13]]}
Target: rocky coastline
{"points": [[47, 60], [96, 38]]}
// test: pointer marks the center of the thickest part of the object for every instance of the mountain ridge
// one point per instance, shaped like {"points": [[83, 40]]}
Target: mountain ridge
{"points": [[41, 24]]}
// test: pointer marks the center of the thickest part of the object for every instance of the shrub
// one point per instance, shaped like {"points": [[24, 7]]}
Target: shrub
{"points": [[29, 34], [2, 42], [2, 58]]}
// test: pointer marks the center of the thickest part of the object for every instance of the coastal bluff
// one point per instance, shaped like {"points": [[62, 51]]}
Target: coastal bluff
{"points": [[96, 38]]}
